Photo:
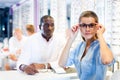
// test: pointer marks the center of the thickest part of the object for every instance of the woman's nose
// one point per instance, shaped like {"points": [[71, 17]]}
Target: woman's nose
{"points": [[87, 27]]}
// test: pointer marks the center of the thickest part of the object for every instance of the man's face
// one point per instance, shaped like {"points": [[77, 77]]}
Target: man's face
{"points": [[47, 27]]}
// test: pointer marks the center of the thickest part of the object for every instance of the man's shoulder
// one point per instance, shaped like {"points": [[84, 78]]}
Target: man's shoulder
{"points": [[59, 36], [59, 39]]}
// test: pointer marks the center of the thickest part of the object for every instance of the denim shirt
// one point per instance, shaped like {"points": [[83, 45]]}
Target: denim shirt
{"points": [[90, 67]]}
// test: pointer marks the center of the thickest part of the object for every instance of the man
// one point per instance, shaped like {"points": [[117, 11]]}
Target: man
{"points": [[42, 48], [16, 42]]}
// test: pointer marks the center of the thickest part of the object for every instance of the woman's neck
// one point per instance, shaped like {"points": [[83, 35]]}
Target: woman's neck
{"points": [[88, 42]]}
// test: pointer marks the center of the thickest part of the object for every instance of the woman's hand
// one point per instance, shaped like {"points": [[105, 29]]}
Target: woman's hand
{"points": [[72, 33], [101, 30]]}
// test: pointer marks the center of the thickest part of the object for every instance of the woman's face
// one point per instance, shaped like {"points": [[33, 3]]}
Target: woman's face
{"points": [[88, 27]]}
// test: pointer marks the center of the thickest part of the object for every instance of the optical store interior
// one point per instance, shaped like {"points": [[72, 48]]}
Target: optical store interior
{"points": [[17, 14]]}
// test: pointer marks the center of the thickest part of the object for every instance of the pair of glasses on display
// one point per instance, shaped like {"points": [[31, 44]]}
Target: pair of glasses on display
{"points": [[91, 25]]}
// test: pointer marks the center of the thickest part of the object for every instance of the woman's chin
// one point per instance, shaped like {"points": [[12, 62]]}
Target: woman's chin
{"points": [[88, 37]]}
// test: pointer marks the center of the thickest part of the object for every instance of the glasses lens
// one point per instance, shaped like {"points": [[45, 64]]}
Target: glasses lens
{"points": [[83, 25], [91, 25]]}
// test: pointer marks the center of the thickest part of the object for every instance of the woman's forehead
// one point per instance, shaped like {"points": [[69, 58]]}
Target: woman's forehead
{"points": [[87, 20]]}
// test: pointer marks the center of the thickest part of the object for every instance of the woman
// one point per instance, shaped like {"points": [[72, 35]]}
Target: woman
{"points": [[93, 54]]}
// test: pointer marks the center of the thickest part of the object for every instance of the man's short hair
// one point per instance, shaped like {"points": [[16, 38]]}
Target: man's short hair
{"points": [[43, 18]]}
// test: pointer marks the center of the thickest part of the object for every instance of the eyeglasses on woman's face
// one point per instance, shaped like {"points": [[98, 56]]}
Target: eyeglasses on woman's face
{"points": [[91, 25]]}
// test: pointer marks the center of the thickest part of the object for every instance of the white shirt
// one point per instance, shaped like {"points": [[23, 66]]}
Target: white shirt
{"points": [[38, 50], [14, 44]]}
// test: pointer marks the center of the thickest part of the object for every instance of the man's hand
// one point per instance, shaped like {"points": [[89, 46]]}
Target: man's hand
{"points": [[29, 69], [41, 66]]}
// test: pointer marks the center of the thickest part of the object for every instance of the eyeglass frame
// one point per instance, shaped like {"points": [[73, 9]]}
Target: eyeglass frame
{"points": [[91, 25]]}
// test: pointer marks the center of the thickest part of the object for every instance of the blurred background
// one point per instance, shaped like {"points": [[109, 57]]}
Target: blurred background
{"points": [[19, 13]]}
